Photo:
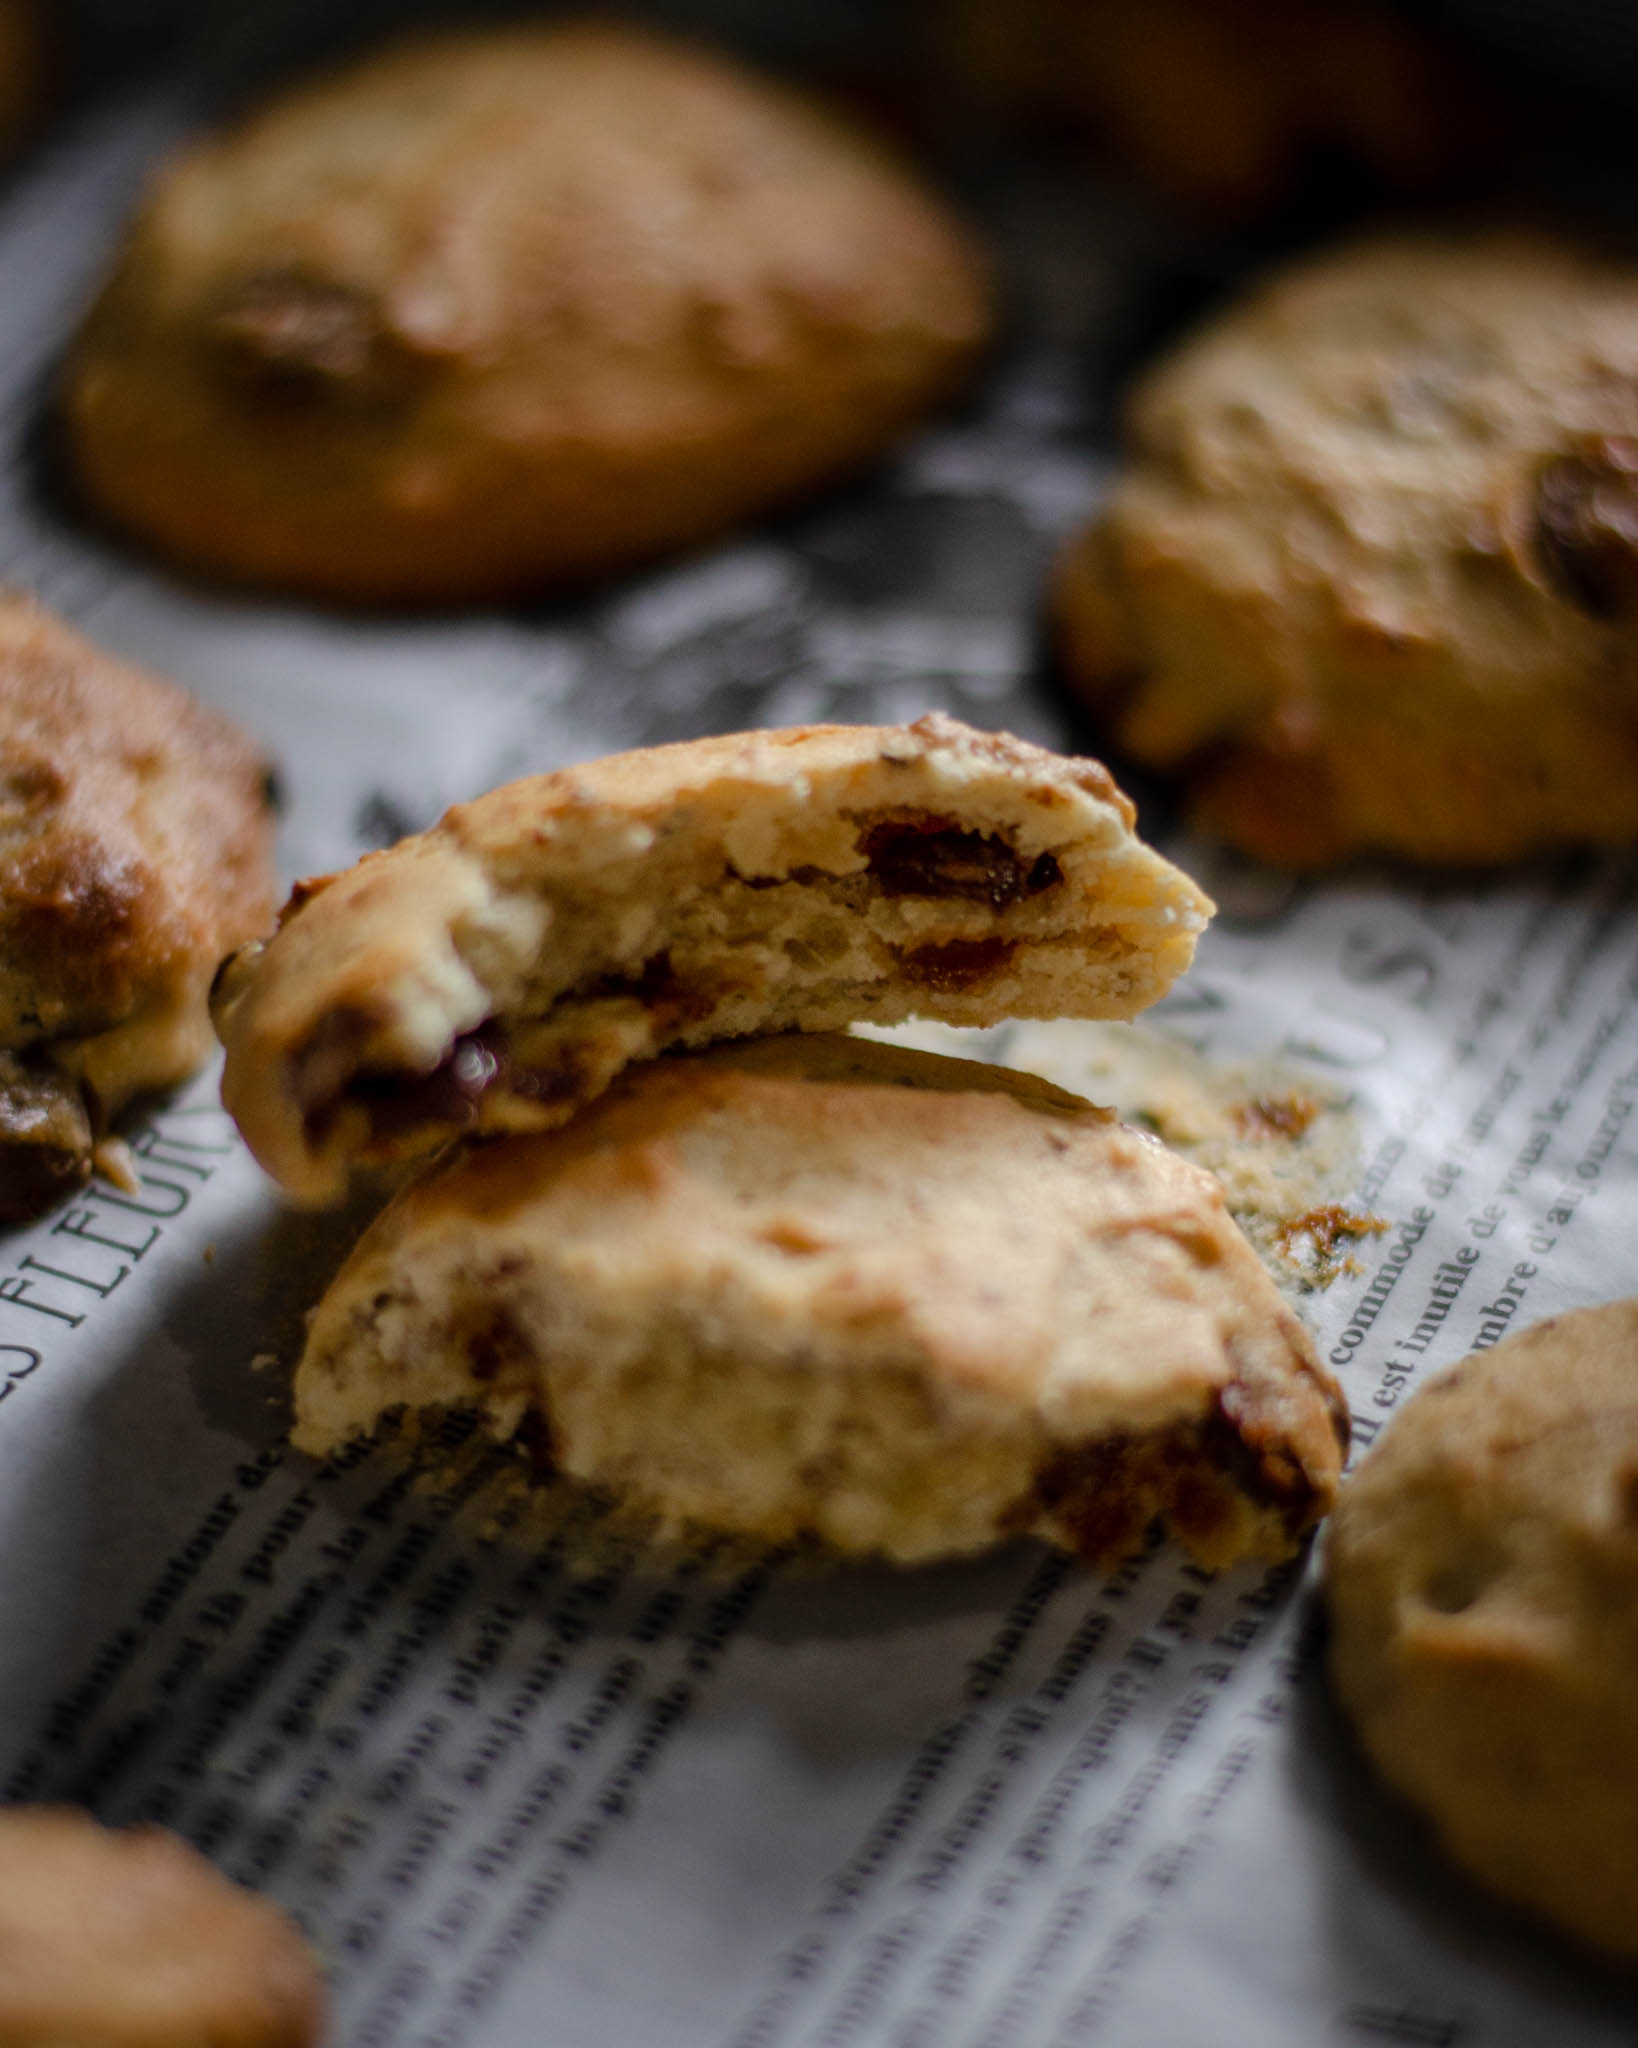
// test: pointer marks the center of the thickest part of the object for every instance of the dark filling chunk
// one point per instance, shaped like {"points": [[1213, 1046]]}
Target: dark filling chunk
{"points": [[957, 964], [399, 1103], [1244, 1440], [449, 1096], [45, 1139], [325, 1074], [287, 337], [1586, 527], [1103, 1497], [35, 1178], [658, 986], [935, 857]]}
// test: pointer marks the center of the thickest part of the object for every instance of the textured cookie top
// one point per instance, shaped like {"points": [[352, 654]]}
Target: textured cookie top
{"points": [[508, 307], [1483, 1572], [1373, 573], [496, 972], [827, 1286], [129, 1939], [135, 850]]}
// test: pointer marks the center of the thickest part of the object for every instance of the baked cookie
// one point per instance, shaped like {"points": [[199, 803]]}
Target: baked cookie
{"points": [[129, 1939], [829, 1287], [507, 309], [135, 849], [1483, 1574], [496, 972], [1370, 581]]}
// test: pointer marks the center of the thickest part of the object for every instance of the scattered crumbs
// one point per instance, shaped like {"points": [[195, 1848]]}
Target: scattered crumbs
{"points": [[112, 1159], [1282, 1141], [1273, 1116], [263, 1360], [209, 1253], [1313, 1238]]}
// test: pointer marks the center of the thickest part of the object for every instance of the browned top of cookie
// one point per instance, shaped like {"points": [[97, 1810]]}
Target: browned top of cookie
{"points": [[820, 1285], [129, 1939], [497, 971], [135, 849], [1372, 575], [510, 306]]}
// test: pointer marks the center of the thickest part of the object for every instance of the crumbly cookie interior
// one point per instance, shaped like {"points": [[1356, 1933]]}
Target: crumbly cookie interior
{"points": [[495, 973], [936, 917]]}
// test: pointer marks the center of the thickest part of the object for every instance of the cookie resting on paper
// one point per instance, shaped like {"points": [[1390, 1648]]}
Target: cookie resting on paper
{"points": [[826, 1287], [135, 850], [1369, 582], [512, 308], [1483, 1581], [127, 1938], [496, 972]]}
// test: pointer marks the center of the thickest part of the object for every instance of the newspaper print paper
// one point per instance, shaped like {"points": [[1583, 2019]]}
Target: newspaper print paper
{"points": [[522, 1780]]}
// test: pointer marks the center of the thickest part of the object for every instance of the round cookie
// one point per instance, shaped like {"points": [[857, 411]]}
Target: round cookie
{"points": [[1483, 1581], [827, 1287], [1370, 579], [508, 309], [495, 973], [136, 839], [129, 1939]]}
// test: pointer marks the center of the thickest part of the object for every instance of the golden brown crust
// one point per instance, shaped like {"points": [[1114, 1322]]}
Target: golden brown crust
{"points": [[1483, 1574], [817, 1286], [129, 1939], [1371, 580], [135, 849], [499, 970], [510, 308]]}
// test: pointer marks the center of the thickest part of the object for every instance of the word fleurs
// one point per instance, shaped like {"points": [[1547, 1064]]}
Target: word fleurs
{"points": [[89, 1251]]}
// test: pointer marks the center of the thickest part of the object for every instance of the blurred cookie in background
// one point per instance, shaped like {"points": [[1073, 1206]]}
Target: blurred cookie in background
{"points": [[128, 1938], [135, 850], [1483, 1583], [1368, 581], [1233, 107], [506, 310]]}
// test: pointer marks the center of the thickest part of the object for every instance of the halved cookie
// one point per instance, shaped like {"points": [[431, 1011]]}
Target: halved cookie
{"points": [[127, 1938], [1483, 1580], [508, 308], [822, 1286], [135, 850], [496, 972]]}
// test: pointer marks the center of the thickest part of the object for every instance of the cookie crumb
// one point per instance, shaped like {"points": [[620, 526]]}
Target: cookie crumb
{"points": [[112, 1159]]}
